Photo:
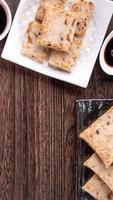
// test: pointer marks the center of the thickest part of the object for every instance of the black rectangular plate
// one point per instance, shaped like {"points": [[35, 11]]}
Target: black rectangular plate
{"points": [[87, 111]]}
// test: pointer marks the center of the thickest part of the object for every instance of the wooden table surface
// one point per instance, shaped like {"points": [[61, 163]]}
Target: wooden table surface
{"points": [[38, 130]]}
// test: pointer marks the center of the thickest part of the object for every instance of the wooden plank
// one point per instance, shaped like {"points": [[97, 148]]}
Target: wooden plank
{"points": [[6, 130]]}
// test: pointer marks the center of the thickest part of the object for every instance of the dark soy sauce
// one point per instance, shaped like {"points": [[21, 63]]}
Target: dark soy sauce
{"points": [[3, 19], [108, 55]]}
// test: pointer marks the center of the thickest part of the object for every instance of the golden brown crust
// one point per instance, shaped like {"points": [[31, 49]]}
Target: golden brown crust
{"points": [[86, 11], [53, 1], [30, 48], [40, 14]]}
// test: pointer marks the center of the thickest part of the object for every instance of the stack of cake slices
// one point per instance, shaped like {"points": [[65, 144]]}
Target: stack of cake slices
{"points": [[56, 34], [99, 136]]}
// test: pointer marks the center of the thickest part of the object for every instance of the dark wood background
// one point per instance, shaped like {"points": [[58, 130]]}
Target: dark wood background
{"points": [[37, 130]]}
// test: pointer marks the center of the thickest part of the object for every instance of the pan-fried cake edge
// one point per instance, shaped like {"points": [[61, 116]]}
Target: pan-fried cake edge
{"points": [[96, 165], [98, 189], [30, 47]]}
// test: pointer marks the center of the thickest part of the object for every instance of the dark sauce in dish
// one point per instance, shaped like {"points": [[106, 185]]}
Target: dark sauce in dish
{"points": [[108, 55], [3, 19]]}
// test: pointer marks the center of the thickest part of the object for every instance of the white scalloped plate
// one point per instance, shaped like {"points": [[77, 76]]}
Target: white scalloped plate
{"points": [[92, 42]]}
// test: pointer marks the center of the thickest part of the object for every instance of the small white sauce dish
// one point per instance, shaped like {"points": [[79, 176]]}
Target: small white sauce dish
{"points": [[9, 19], [106, 68]]}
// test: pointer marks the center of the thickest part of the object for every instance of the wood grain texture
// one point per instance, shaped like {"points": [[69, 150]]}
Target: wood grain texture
{"points": [[37, 130]]}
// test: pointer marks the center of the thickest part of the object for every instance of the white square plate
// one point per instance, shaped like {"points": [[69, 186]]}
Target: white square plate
{"points": [[92, 42]]}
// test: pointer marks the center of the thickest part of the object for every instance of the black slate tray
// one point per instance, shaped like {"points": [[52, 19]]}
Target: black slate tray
{"points": [[87, 111]]}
